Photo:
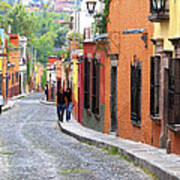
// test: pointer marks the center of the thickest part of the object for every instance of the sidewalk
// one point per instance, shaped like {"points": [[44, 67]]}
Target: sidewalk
{"points": [[11, 101], [164, 166], [43, 101]]}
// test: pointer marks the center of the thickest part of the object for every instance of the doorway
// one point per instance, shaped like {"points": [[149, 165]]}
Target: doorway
{"points": [[113, 99]]}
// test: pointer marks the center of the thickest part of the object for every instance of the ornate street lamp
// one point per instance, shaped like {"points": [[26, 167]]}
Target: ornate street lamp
{"points": [[158, 6], [91, 4]]}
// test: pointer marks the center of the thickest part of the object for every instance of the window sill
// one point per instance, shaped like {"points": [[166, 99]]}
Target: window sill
{"points": [[162, 17], [156, 119], [135, 124], [174, 128]]}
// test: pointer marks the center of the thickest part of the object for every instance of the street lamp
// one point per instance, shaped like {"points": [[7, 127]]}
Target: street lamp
{"points": [[91, 4], [158, 6]]}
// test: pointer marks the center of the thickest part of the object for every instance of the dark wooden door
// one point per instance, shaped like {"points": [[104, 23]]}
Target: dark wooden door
{"points": [[113, 99]]}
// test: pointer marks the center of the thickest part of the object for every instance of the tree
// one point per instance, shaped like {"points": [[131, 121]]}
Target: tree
{"points": [[44, 79], [61, 37], [4, 7], [21, 21]]}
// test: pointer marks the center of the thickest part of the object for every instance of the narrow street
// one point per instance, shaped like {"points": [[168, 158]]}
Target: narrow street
{"points": [[32, 147]]}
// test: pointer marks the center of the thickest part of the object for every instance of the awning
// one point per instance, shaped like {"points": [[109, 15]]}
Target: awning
{"points": [[133, 31], [101, 36]]}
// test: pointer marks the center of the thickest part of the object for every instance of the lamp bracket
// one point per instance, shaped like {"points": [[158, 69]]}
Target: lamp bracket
{"points": [[144, 38]]}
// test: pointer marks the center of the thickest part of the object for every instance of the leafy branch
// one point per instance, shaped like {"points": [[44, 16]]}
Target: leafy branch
{"points": [[101, 19]]}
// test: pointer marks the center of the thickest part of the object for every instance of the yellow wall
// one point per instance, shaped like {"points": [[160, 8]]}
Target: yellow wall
{"points": [[171, 28], [75, 80], [1, 65]]}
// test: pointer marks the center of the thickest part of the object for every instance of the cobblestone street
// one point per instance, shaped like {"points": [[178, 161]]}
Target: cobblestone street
{"points": [[32, 147]]}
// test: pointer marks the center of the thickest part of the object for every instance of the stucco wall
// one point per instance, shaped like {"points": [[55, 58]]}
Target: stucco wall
{"points": [[125, 15]]}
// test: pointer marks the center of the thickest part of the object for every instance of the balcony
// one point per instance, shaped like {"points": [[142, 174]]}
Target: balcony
{"points": [[159, 10]]}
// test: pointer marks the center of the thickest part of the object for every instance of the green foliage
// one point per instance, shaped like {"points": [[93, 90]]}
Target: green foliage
{"points": [[21, 21], [74, 171], [75, 37], [64, 53], [11, 47], [113, 151], [44, 33], [61, 37], [101, 19], [44, 79], [4, 7], [49, 35], [28, 70]]}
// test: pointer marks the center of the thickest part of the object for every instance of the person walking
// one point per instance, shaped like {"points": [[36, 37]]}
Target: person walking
{"points": [[69, 104], [60, 101], [46, 92]]}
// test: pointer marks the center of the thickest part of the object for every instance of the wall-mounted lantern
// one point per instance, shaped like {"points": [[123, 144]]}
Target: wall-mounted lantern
{"points": [[159, 10], [91, 4]]}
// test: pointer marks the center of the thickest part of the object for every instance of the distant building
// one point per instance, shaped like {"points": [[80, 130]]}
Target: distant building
{"points": [[22, 64]]}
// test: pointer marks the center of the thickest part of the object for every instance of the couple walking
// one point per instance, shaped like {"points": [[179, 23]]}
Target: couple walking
{"points": [[64, 101]]}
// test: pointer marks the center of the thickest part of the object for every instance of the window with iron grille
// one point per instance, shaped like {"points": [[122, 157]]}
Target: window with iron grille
{"points": [[17, 76], [95, 87], [174, 91], [86, 83], [13, 79], [0, 83], [136, 93], [7, 85], [155, 85]]}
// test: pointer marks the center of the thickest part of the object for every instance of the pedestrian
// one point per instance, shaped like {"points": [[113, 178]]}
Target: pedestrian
{"points": [[46, 92], [69, 104], [60, 101], [1, 103]]}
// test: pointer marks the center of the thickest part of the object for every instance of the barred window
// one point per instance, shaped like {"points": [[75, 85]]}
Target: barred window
{"points": [[17, 76], [155, 85], [136, 93], [95, 87], [12, 78], [86, 83], [174, 91]]}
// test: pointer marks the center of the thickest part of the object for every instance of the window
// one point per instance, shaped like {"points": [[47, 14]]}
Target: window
{"points": [[155, 85], [13, 79], [86, 83], [159, 10], [174, 91], [95, 87], [17, 76], [136, 93]]}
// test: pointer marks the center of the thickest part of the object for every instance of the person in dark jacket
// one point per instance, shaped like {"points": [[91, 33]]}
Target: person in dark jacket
{"points": [[61, 104], [69, 104], [46, 92]]}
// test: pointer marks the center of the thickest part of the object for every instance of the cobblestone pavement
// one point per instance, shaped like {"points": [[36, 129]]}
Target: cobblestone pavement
{"points": [[32, 147]]}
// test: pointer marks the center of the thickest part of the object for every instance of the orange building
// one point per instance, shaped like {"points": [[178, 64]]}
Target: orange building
{"points": [[127, 73], [14, 58]]}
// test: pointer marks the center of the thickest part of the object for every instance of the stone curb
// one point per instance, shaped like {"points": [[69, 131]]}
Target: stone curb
{"points": [[47, 103], [161, 172], [9, 106], [19, 96], [11, 102]]}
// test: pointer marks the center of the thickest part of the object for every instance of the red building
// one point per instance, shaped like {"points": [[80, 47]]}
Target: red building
{"points": [[14, 58], [94, 91]]}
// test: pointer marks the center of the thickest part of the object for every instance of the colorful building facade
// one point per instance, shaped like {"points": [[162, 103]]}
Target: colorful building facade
{"points": [[127, 74], [14, 58], [165, 65], [94, 86]]}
